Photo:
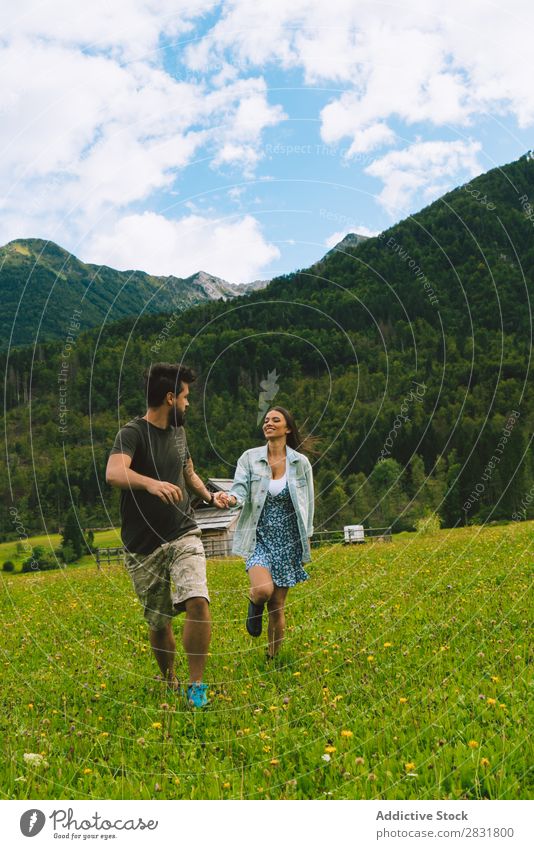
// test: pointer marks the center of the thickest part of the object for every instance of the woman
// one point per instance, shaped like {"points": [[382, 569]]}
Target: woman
{"points": [[273, 485]]}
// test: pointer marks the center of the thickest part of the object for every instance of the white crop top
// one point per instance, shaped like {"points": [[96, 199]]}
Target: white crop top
{"points": [[277, 486]]}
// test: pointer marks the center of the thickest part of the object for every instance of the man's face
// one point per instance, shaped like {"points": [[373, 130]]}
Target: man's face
{"points": [[178, 406]]}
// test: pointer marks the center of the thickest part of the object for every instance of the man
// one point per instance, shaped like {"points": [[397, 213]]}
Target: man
{"points": [[151, 464]]}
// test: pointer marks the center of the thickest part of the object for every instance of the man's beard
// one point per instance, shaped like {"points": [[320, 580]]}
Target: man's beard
{"points": [[176, 418]]}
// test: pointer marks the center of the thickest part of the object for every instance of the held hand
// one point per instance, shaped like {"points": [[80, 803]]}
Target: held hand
{"points": [[220, 500], [168, 492]]}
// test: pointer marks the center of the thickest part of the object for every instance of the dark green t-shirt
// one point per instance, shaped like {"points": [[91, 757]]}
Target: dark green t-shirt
{"points": [[146, 521]]}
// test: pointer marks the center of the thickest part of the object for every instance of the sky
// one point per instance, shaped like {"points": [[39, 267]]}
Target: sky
{"points": [[246, 138]]}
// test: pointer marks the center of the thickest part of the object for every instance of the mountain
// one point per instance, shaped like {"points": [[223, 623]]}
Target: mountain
{"points": [[254, 286], [42, 286], [408, 355], [351, 240]]}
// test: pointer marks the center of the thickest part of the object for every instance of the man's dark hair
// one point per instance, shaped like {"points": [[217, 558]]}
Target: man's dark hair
{"points": [[161, 378]]}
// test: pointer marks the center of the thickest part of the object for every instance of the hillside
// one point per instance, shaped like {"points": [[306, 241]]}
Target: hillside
{"points": [[432, 320], [42, 285]]}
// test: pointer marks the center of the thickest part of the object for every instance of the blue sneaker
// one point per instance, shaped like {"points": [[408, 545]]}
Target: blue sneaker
{"points": [[197, 695]]}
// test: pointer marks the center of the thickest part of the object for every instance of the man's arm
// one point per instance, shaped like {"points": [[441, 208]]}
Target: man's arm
{"points": [[119, 473], [196, 485]]}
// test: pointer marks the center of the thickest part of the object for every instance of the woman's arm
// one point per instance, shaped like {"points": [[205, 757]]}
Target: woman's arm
{"points": [[241, 486], [311, 498]]}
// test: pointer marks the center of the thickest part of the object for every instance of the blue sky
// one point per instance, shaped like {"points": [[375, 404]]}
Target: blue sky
{"points": [[245, 138]]}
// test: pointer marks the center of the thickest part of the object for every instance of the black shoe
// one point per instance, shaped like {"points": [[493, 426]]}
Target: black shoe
{"points": [[254, 618]]}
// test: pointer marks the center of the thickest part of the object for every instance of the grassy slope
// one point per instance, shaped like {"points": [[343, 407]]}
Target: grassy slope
{"points": [[79, 681]]}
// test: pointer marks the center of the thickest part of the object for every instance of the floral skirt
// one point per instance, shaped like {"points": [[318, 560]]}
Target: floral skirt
{"points": [[278, 546]]}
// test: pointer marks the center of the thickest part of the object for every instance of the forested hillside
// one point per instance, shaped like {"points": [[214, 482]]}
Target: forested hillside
{"points": [[408, 355], [42, 286]]}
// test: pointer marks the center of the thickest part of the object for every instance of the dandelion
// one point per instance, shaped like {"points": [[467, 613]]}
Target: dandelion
{"points": [[403, 700], [495, 679], [274, 761], [156, 725], [103, 686], [503, 706], [359, 761], [409, 766], [87, 771], [30, 706], [330, 749], [491, 701], [177, 780], [473, 744], [371, 777], [104, 733], [387, 645], [484, 762], [370, 658], [346, 733], [266, 748], [226, 785], [296, 674]]}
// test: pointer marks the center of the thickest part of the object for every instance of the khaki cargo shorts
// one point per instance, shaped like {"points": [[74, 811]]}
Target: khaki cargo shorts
{"points": [[181, 562]]}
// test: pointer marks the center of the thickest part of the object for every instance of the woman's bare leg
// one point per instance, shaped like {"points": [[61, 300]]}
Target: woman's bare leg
{"points": [[277, 619], [261, 584]]}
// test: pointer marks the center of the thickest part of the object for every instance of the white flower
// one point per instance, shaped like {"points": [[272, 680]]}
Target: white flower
{"points": [[33, 759], [326, 758]]}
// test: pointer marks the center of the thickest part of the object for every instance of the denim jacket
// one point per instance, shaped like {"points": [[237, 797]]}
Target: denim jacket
{"points": [[250, 487]]}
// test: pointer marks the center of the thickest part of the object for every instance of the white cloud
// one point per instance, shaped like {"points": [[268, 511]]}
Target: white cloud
{"points": [[127, 28], [232, 249], [422, 165], [419, 62], [83, 134]]}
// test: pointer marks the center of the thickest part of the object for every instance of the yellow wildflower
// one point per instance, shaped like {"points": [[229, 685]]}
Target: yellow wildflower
{"points": [[409, 766], [484, 762], [491, 701], [403, 700], [387, 645], [156, 725], [329, 749], [274, 762], [346, 733], [87, 771], [473, 744], [370, 657]]}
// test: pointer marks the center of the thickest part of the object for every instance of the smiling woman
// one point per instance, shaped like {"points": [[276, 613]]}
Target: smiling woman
{"points": [[273, 485]]}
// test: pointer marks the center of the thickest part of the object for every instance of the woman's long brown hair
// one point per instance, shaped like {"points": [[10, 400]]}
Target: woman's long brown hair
{"points": [[297, 441]]}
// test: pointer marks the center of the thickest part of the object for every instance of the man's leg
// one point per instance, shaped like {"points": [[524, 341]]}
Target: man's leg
{"points": [[277, 619], [164, 648], [196, 636]]}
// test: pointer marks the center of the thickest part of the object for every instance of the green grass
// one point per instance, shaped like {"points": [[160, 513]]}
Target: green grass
{"points": [[397, 657], [8, 550]]}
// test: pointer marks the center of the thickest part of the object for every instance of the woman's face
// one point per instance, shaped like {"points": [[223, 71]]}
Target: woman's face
{"points": [[275, 425]]}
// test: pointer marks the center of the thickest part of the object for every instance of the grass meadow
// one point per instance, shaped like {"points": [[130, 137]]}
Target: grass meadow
{"points": [[405, 675]]}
